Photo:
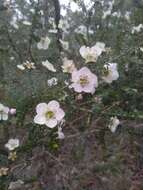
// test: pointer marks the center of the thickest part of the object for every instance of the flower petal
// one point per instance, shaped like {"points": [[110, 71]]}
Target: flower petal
{"points": [[4, 116], [49, 66], [59, 114], [6, 110], [41, 108], [83, 51], [21, 67], [53, 104], [77, 87], [51, 123], [39, 119]]}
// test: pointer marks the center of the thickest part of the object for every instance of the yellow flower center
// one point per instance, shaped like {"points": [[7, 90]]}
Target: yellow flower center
{"points": [[83, 81], [49, 114]]}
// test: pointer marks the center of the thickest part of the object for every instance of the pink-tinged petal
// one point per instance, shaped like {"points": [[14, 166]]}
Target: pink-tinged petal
{"points": [[39, 119], [53, 104], [41, 108], [89, 88], [84, 71], [59, 114], [94, 80], [93, 91], [51, 123], [115, 75], [12, 111], [77, 87], [112, 66], [6, 110], [75, 76]]}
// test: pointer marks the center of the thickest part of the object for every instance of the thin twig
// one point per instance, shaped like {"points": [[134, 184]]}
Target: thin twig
{"points": [[96, 121]]}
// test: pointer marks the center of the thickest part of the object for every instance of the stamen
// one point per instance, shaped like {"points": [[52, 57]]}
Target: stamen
{"points": [[49, 114], [83, 81]]}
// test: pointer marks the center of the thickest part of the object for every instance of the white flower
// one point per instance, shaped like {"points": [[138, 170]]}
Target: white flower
{"points": [[3, 171], [83, 30], [48, 65], [64, 2], [12, 111], [3, 112], [26, 65], [25, 22], [88, 4], [100, 47], [60, 133], [49, 114], [13, 22], [109, 10], [74, 7], [65, 44], [21, 67], [141, 49], [68, 66], [12, 144], [116, 14], [54, 31], [114, 122], [110, 72], [84, 81], [137, 28], [127, 15], [32, 10], [92, 54], [29, 65], [52, 82], [106, 13], [63, 25], [11, 58], [63, 12], [41, 12], [44, 43]]}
